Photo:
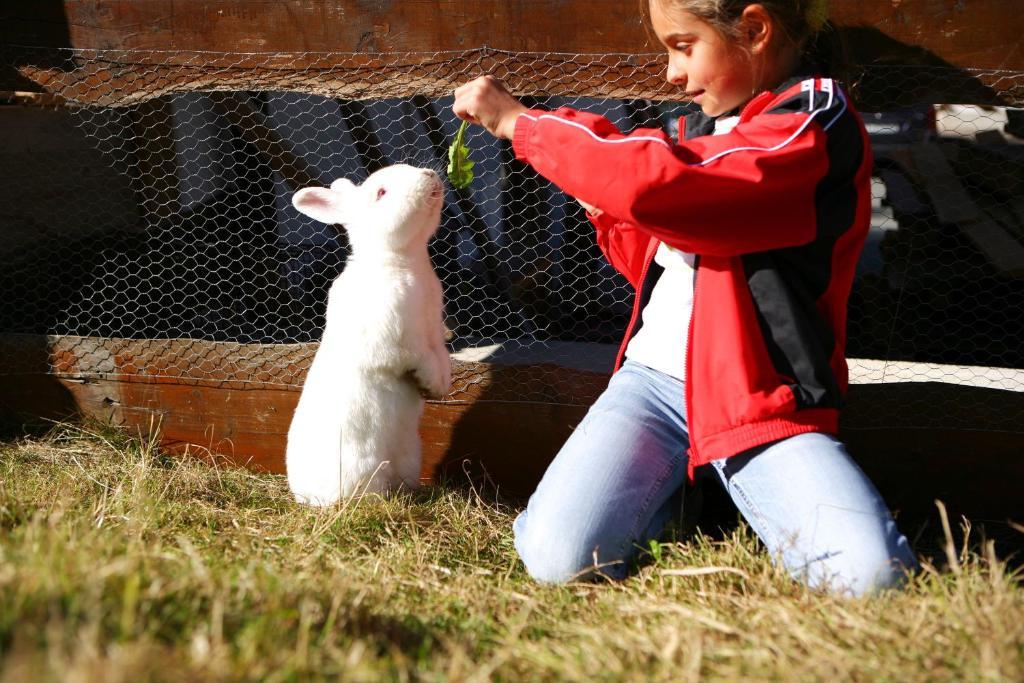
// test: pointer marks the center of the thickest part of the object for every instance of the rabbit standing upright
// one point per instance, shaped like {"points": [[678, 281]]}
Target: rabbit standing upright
{"points": [[355, 426]]}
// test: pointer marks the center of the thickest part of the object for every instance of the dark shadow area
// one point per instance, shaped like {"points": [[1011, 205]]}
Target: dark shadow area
{"points": [[90, 249], [166, 282], [506, 445], [937, 297], [41, 278], [60, 200], [40, 24], [887, 74], [31, 399]]}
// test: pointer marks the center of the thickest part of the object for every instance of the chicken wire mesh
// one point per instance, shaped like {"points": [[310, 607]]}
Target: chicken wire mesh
{"points": [[148, 230]]}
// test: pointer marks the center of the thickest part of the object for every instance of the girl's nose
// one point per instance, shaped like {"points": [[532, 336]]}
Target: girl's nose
{"points": [[675, 75]]}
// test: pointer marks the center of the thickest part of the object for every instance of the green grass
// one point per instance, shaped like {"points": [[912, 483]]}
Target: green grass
{"points": [[120, 563]]}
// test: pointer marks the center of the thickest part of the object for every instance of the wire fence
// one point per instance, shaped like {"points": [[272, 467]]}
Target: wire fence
{"points": [[148, 229]]}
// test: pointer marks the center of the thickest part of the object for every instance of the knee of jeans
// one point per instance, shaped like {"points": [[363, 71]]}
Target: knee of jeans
{"points": [[873, 577], [558, 555], [859, 571]]}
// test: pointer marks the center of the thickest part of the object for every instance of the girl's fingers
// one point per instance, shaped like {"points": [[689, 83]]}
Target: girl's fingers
{"points": [[461, 108], [485, 102], [466, 99], [464, 113], [478, 87]]}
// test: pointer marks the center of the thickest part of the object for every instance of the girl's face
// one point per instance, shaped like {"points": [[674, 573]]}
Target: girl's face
{"points": [[717, 74]]}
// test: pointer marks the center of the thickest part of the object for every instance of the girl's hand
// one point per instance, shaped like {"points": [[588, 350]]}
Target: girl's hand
{"points": [[484, 101]]}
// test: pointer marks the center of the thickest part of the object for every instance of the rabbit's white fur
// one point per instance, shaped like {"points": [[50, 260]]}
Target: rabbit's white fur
{"points": [[355, 426]]}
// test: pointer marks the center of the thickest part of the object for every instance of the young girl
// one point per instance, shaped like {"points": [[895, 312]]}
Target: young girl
{"points": [[741, 240]]}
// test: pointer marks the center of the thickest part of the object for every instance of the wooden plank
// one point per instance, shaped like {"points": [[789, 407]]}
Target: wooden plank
{"points": [[949, 198], [920, 441], [123, 78], [275, 151], [236, 400], [954, 206], [983, 34], [912, 51], [975, 471]]}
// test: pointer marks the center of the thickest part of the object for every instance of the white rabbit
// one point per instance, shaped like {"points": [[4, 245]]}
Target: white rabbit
{"points": [[355, 426]]}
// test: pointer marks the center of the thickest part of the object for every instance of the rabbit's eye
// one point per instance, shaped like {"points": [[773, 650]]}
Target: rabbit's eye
{"points": [[381, 192]]}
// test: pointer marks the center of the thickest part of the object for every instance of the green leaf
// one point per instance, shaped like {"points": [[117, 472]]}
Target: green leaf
{"points": [[460, 168]]}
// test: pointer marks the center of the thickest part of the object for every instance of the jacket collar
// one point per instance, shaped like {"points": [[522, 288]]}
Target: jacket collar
{"points": [[698, 123]]}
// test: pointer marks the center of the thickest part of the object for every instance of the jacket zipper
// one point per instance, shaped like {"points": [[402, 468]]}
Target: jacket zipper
{"points": [[620, 359], [687, 361]]}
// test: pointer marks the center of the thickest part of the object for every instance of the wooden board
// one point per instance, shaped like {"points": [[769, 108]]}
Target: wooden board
{"points": [[508, 414], [954, 206], [982, 34], [911, 50], [236, 400]]}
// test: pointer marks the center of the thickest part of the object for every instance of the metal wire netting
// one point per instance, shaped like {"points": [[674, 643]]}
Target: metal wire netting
{"points": [[148, 229]]}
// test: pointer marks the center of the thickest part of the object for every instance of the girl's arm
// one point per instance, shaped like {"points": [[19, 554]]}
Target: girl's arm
{"points": [[750, 190], [486, 102]]}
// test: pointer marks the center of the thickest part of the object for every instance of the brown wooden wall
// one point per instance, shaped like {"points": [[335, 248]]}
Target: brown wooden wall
{"points": [[983, 34], [947, 50]]}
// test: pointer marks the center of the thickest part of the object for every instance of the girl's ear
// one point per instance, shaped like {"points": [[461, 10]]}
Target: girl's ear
{"points": [[320, 203], [757, 28]]}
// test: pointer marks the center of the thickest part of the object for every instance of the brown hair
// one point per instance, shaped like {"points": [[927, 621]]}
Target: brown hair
{"points": [[822, 45]]}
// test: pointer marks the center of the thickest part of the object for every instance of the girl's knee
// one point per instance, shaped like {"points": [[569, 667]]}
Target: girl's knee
{"points": [[888, 567], [868, 576], [552, 553], [859, 569]]}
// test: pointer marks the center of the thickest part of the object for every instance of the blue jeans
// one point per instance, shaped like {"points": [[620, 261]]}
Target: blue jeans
{"points": [[615, 483]]}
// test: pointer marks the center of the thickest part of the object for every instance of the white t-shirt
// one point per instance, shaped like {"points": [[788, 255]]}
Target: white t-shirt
{"points": [[660, 343]]}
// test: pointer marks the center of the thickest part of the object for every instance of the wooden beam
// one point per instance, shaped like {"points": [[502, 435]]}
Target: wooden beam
{"points": [[982, 34], [123, 78], [275, 151], [910, 51]]}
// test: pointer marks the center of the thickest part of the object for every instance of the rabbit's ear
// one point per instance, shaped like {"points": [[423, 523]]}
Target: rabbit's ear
{"points": [[326, 206], [343, 186]]}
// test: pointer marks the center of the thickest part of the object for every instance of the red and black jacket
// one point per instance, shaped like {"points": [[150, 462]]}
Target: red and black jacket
{"points": [[776, 211]]}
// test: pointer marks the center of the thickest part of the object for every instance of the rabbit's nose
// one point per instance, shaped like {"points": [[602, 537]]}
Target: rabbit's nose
{"points": [[436, 187]]}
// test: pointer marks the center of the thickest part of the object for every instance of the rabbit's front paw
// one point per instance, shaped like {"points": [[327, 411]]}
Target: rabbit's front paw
{"points": [[434, 388]]}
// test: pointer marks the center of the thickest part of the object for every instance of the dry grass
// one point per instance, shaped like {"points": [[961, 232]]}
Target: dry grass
{"points": [[117, 563]]}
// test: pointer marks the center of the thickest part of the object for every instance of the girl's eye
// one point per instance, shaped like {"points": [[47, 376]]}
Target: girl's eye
{"points": [[381, 192], [683, 47]]}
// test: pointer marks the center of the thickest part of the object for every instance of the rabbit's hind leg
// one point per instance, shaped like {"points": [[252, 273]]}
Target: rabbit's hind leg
{"points": [[407, 456], [313, 464], [314, 485], [364, 468]]}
